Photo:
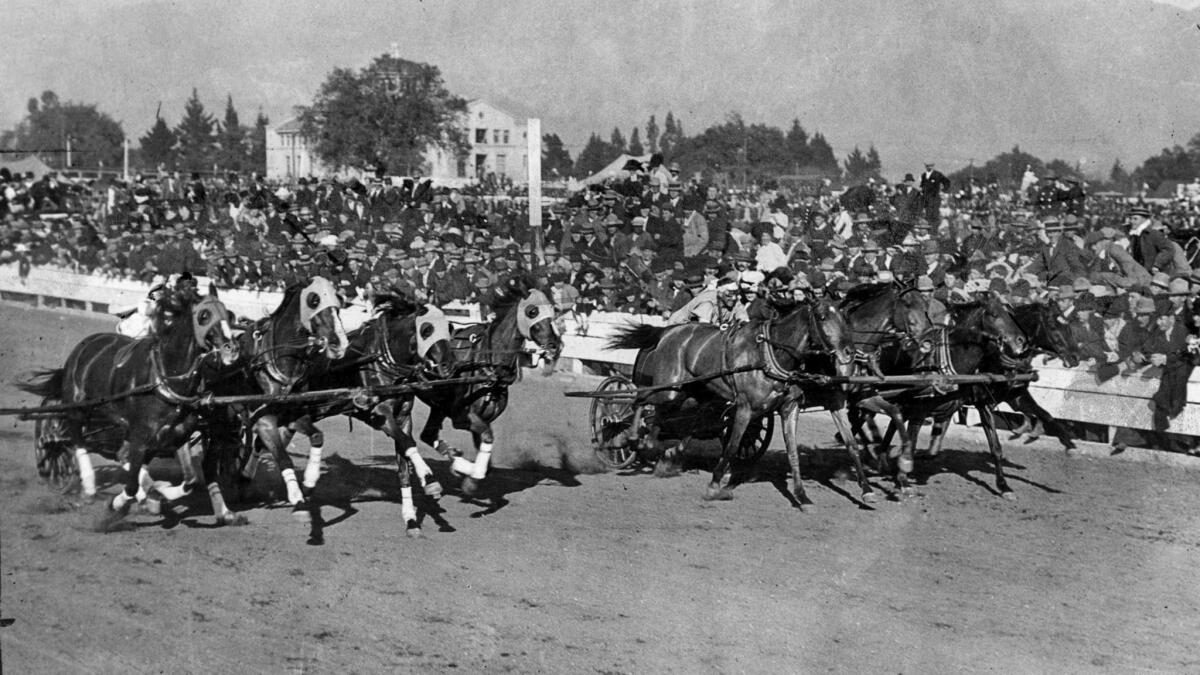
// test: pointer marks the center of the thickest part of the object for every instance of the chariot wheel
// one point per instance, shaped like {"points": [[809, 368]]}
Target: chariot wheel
{"points": [[614, 438], [51, 451], [755, 441]]}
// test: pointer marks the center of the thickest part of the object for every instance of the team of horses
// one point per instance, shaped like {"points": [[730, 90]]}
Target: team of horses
{"points": [[808, 357], [149, 394]]}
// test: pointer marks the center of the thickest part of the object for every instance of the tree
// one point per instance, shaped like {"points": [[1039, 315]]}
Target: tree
{"points": [[874, 163], [821, 155], [1007, 168], [670, 137], [635, 143], [234, 151], [556, 161], [735, 152], [595, 156], [858, 167], [1173, 163], [197, 142], [796, 144], [392, 111], [652, 134], [95, 137], [1118, 177], [258, 143], [158, 145], [617, 140]]}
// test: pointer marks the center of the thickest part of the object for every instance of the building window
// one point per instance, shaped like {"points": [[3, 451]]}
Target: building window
{"points": [[506, 136], [461, 167], [501, 165], [496, 136], [481, 135]]}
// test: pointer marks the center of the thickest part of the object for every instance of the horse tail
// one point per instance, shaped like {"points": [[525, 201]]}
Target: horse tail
{"points": [[640, 336], [44, 383]]}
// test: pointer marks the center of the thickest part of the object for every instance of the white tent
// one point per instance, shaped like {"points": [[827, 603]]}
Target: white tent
{"points": [[612, 170], [19, 167]]}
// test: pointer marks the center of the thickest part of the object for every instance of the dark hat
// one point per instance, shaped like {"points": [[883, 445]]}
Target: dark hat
{"points": [[1138, 211], [908, 178], [632, 165]]}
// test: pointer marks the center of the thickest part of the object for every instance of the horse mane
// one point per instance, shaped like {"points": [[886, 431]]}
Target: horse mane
{"points": [[864, 293], [289, 294], [394, 305]]}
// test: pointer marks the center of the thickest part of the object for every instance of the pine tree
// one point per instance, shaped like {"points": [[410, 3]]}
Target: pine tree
{"points": [[556, 161], [617, 140], [874, 164], [796, 143], [635, 143], [1118, 176], [652, 134], [857, 166], [158, 145], [234, 152], [821, 154], [670, 136], [195, 134], [595, 156]]}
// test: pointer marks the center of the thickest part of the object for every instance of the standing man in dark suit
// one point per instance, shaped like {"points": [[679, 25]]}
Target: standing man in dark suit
{"points": [[1145, 240], [933, 183]]}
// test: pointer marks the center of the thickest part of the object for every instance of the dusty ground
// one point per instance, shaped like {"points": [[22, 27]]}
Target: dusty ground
{"points": [[563, 569]]}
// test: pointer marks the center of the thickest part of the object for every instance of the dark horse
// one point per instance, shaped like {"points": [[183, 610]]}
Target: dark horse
{"points": [[885, 315], [493, 349], [278, 353], [1047, 333], [148, 388], [983, 338], [403, 342], [697, 372]]}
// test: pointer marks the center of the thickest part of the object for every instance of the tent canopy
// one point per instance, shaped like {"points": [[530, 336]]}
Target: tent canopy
{"points": [[613, 168], [18, 167]]}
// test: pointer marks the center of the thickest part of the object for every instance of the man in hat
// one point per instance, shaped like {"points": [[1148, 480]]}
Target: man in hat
{"points": [[907, 202], [1146, 241], [933, 184], [1111, 264], [865, 268], [1060, 260]]}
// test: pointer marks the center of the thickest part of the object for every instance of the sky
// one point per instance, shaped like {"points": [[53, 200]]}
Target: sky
{"points": [[131, 56]]}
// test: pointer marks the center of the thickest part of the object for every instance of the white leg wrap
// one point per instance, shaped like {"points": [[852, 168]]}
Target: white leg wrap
{"points": [[145, 483], [87, 475], [218, 501], [460, 465], [423, 470], [479, 469], [171, 492], [312, 471], [407, 510], [121, 500], [295, 496]]}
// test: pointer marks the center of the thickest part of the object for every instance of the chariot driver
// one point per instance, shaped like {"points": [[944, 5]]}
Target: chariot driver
{"points": [[731, 311], [138, 322]]}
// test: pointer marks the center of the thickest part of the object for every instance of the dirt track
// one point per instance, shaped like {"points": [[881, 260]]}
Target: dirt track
{"points": [[562, 569]]}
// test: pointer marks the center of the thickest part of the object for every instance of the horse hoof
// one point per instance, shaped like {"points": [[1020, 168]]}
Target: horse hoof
{"points": [[412, 530], [152, 506], [232, 520], [908, 491], [905, 464], [433, 490], [301, 514], [1068, 445], [470, 487], [870, 497], [1009, 495], [717, 494], [666, 470]]}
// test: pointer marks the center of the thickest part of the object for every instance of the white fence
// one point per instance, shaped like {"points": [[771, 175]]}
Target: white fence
{"points": [[1067, 393]]}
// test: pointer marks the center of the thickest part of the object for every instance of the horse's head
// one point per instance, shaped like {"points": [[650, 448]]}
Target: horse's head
{"points": [[997, 324], [432, 335], [210, 325], [910, 315], [834, 332], [1050, 333], [320, 316], [535, 321]]}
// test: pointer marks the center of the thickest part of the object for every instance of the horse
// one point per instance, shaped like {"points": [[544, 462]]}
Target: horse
{"points": [[278, 353], [983, 338], [1048, 333], [402, 342], [144, 389], [884, 315], [522, 313], [756, 369]]}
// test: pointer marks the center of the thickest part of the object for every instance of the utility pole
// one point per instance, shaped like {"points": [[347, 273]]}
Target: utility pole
{"points": [[125, 172], [68, 152], [533, 148]]}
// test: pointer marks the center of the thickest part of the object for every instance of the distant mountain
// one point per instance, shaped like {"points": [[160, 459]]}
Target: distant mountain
{"points": [[948, 81]]}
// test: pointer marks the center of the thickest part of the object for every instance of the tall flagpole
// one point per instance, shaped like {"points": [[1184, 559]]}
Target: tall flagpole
{"points": [[533, 137]]}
